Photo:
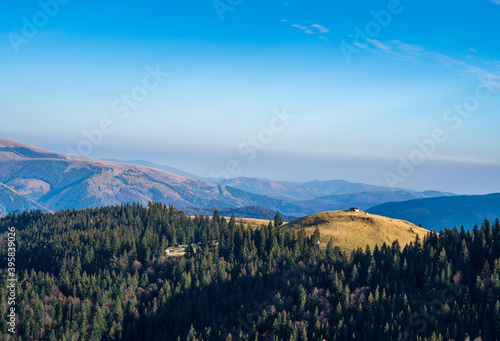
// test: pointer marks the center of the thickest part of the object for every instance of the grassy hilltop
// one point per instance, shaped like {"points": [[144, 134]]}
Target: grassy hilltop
{"points": [[350, 230]]}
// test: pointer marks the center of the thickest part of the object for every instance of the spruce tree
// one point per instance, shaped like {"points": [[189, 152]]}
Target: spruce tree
{"points": [[278, 221]]}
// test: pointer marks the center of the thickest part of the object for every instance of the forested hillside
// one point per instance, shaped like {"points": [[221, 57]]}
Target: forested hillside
{"points": [[103, 274]]}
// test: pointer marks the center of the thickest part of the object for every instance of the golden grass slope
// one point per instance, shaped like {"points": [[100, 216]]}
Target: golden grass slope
{"points": [[252, 223], [350, 230]]}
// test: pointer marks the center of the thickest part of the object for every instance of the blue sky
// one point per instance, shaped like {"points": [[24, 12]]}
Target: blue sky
{"points": [[232, 64]]}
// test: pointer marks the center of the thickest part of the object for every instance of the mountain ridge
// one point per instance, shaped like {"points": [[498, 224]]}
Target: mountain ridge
{"points": [[437, 213], [52, 181]]}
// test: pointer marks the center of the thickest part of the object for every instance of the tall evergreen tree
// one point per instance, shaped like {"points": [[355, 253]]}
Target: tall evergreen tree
{"points": [[278, 221]]}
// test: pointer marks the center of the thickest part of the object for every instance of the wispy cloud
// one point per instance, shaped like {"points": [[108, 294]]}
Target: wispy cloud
{"points": [[313, 29], [379, 45], [303, 28], [322, 29], [415, 53], [488, 77], [464, 159], [496, 2]]}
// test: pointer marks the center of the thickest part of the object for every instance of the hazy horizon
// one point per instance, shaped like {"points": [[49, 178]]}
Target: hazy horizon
{"points": [[204, 165]]}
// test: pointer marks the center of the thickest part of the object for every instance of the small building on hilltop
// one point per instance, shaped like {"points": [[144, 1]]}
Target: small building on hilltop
{"points": [[354, 209]]}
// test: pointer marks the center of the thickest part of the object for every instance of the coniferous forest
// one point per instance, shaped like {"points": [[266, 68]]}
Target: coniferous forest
{"points": [[104, 274]]}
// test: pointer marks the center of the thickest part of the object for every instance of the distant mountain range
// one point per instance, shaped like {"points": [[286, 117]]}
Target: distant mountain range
{"points": [[34, 178], [160, 167], [301, 198], [327, 192], [436, 213]]}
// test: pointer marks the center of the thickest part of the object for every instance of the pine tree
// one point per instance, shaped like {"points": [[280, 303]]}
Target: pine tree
{"points": [[278, 221], [316, 237], [301, 299], [144, 281], [232, 222], [496, 315], [52, 336]]}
